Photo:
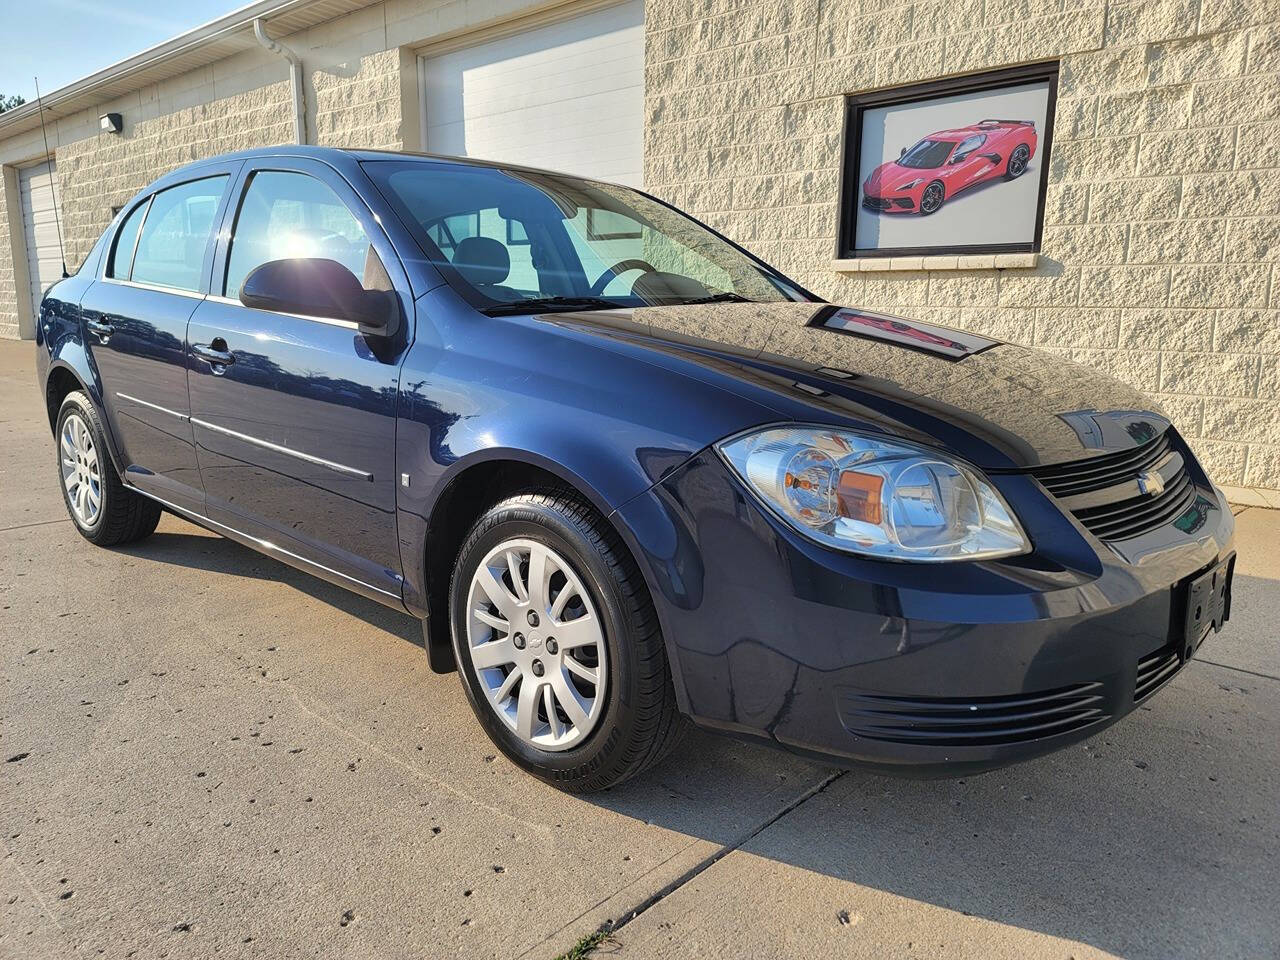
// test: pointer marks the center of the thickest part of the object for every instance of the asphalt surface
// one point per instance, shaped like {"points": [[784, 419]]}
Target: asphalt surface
{"points": [[205, 753]]}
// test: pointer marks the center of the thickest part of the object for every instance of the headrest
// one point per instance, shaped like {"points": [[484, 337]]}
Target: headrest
{"points": [[660, 285], [482, 260]]}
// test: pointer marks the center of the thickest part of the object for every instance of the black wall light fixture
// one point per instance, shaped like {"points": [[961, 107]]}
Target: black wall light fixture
{"points": [[111, 123]]}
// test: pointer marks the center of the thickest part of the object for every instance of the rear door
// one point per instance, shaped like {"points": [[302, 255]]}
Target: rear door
{"points": [[154, 276], [295, 424]]}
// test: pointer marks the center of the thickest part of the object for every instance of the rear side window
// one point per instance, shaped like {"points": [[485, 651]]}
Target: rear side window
{"points": [[126, 241], [176, 235], [967, 147], [286, 215]]}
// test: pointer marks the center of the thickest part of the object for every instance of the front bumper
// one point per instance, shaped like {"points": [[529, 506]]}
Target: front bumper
{"points": [[773, 637], [898, 204]]}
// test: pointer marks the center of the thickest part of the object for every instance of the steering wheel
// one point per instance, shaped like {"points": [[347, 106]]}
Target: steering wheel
{"points": [[619, 268]]}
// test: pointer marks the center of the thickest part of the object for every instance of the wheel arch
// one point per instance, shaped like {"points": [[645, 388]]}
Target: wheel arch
{"points": [[70, 370], [466, 490], [61, 381]]}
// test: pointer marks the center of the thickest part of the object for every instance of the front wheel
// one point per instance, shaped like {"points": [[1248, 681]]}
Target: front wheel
{"points": [[932, 197], [558, 644], [104, 510]]}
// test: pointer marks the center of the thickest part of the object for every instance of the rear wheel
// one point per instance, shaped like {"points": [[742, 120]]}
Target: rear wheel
{"points": [[558, 645], [1017, 162], [103, 509]]}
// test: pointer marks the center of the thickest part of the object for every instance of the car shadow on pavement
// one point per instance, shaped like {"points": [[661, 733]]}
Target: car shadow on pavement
{"points": [[217, 554], [1156, 838]]}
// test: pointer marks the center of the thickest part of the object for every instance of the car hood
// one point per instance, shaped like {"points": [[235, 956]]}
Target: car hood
{"points": [[998, 405], [879, 175]]}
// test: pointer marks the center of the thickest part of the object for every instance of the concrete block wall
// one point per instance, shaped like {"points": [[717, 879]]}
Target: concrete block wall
{"points": [[1162, 226], [355, 104], [354, 95], [104, 171]]}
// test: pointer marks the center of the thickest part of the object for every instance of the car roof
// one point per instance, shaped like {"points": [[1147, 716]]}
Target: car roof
{"points": [[340, 156]]}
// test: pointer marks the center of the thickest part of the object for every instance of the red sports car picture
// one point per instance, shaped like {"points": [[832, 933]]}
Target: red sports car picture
{"points": [[943, 164]]}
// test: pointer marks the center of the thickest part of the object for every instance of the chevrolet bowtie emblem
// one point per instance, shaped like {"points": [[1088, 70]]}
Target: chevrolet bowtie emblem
{"points": [[1151, 483]]}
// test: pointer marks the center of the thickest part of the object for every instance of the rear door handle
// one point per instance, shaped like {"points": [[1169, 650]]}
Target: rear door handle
{"points": [[215, 354], [100, 329]]}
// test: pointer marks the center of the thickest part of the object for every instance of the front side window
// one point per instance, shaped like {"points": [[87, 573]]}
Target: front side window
{"points": [[126, 240], [927, 154], [176, 235], [286, 215], [513, 237]]}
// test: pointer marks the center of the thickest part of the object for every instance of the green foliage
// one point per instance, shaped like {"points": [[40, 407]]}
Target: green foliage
{"points": [[587, 945], [9, 102]]}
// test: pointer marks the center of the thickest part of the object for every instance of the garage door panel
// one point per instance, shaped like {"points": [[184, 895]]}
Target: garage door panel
{"points": [[555, 89], [568, 95], [40, 199]]}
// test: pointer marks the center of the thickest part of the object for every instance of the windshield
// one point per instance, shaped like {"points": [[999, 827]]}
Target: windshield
{"points": [[506, 239], [926, 154]]}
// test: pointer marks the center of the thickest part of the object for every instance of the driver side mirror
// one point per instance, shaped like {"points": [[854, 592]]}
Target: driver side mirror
{"points": [[902, 153], [318, 287]]}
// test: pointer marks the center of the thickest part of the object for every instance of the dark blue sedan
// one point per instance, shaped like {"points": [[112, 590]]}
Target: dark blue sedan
{"points": [[624, 471]]}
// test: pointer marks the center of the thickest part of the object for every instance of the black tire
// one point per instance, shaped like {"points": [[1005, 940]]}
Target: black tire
{"points": [[1018, 161], [123, 516], [927, 204], [639, 723]]}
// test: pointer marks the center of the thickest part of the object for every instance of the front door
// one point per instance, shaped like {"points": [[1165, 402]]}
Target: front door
{"points": [[295, 417], [135, 316]]}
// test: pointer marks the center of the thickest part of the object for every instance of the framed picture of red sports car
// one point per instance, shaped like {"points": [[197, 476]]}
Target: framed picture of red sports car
{"points": [[954, 166]]}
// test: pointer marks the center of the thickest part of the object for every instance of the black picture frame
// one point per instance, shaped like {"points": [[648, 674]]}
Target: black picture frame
{"points": [[851, 160]]}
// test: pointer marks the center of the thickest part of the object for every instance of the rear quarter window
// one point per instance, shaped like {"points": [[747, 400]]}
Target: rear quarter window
{"points": [[126, 240]]}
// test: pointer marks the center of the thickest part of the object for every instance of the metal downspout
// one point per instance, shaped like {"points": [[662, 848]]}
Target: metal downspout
{"points": [[295, 75]]}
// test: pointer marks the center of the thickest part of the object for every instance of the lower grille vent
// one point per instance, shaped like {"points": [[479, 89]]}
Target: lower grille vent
{"points": [[1154, 671], [978, 721]]}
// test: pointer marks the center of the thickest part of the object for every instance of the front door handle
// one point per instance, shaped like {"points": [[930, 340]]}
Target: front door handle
{"points": [[215, 354], [100, 329]]}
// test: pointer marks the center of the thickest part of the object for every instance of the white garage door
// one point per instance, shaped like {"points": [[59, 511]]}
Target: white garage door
{"points": [[568, 96], [38, 187]]}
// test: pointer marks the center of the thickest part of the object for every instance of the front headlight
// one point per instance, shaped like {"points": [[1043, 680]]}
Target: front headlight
{"points": [[909, 184], [877, 497]]}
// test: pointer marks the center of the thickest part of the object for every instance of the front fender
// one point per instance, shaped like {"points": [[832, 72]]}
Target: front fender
{"points": [[591, 410]]}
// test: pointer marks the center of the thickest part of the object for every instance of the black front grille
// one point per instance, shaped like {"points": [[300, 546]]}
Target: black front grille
{"points": [[1154, 671], [974, 721], [1083, 488], [1098, 473], [1135, 516], [876, 203]]}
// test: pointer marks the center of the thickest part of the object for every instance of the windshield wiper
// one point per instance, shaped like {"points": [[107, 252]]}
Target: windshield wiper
{"points": [[727, 297], [538, 304]]}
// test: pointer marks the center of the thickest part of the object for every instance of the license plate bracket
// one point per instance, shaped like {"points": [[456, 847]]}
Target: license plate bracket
{"points": [[1208, 604]]}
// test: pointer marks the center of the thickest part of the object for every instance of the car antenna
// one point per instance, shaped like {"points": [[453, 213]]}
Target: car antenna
{"points": [[53, 183]]}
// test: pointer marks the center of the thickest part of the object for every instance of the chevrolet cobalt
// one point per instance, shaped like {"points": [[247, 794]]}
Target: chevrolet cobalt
{"points": [[624, 471]]}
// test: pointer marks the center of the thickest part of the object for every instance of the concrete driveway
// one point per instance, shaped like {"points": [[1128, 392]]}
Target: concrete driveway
{"points": [[208, 753]]}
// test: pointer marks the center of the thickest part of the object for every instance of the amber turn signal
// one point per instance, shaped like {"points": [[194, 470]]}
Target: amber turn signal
{"points": [[858, 495]]}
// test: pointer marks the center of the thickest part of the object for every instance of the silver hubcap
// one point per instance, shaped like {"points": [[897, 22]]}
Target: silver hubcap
{"points": [[80, 474], [537, 644]]}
